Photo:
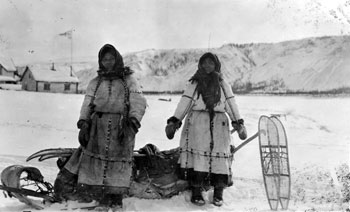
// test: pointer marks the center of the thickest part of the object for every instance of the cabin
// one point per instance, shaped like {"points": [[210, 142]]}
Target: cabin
{"points": [[7, 68], [48, 78], [20, 70]]}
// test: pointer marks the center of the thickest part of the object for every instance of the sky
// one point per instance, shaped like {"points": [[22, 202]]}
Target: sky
{"points": [[29, 30]]}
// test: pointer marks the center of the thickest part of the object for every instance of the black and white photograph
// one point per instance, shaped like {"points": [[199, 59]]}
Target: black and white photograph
{"points": [[174, 105]]}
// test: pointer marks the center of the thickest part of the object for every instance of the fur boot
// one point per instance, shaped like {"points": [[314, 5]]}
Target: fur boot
{"points": [[217, 198], [197, 197]]}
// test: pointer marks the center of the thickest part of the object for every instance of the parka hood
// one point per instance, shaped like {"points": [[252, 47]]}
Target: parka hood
{"points": [[119, 70], [119, 63]]}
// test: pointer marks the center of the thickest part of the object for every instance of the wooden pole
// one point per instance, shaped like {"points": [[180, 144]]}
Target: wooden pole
{"points": [[71, 53]]}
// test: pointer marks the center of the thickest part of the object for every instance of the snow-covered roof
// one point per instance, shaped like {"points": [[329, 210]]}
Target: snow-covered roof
{"points": [[7, 79], [45, 73], [7, 64]]}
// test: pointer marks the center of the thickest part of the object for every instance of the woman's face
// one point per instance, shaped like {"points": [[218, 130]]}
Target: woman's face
{"points": [[208, 65], [108, 61]]}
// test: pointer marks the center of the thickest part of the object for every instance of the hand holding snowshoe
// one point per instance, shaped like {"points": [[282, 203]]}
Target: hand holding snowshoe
{"points": [[173, 124], [84, 133], [240, 128]]}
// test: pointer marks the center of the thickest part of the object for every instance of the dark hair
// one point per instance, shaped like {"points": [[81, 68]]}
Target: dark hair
{"points": [[208, 85], [213, 57]]}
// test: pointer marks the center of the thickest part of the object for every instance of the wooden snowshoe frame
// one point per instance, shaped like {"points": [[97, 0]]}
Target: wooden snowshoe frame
{"points": [[274, 157]]}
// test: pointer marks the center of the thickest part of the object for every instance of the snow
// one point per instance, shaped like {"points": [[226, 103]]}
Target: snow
{"points": [[317, 130], [7, 63], [11, 86], [7, 78]]}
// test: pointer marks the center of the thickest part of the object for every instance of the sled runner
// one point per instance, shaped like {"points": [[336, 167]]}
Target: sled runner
{"points": [[23, 181], [155, 172], [274, 161]]}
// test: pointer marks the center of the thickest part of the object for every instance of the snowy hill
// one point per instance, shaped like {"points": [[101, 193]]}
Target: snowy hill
{"points": [[307, 65]]}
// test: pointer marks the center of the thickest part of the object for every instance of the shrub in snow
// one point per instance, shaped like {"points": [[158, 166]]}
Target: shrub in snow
{"points": [[314, 184], [343, 176]]}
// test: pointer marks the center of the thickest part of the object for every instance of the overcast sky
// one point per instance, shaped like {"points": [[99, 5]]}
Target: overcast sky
{"points": [[29, 28]]}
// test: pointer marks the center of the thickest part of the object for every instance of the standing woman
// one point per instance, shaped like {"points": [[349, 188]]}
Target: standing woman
{"points": [[205, 156], [109, 119]]}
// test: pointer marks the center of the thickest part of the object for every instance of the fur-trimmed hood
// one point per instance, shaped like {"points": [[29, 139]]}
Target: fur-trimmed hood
{"points": [[119, 70], [119, 63]]}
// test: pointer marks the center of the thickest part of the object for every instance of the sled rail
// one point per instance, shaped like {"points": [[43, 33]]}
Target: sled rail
{"points": [[28, 192], [51, 153], [62, 152]]}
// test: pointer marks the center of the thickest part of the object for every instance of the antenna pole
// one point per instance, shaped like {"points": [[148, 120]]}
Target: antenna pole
{"points": [[209, 41], [71, 53]]}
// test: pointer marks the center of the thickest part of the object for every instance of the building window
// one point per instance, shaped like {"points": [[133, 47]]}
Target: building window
{"points": [[67, 86], [46, 86]]}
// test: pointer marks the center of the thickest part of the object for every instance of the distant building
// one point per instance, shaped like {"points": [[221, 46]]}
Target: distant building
{"points": [[48, 78], [7, 68], [9, 83], [20, 70]]}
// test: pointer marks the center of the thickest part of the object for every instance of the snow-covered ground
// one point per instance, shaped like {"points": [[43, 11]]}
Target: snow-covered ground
{"points": [[317, 130]]}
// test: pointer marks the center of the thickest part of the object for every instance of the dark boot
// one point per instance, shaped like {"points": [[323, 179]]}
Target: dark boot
{"points": [[103, 203], [197, 197], [116, 203], [65, 186], [217, 198]]}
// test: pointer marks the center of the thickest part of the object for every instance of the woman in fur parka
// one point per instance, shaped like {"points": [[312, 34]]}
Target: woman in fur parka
{"points": [[205, 156], [109, 119]]}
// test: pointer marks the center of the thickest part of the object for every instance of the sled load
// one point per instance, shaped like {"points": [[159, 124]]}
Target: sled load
{"points": [[155, 173]]}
